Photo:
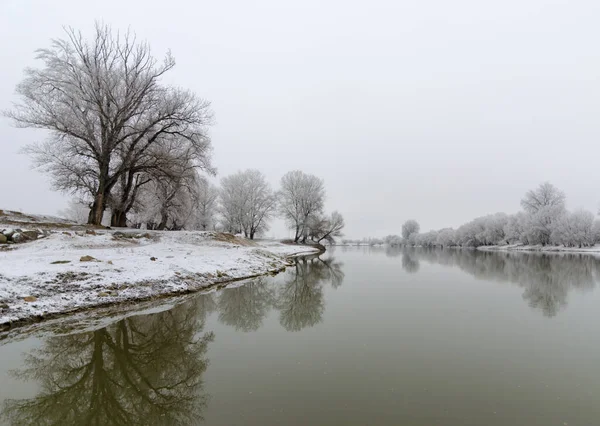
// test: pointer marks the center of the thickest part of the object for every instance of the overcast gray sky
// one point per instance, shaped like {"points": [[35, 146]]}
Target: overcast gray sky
{"points": [[435, 110]]}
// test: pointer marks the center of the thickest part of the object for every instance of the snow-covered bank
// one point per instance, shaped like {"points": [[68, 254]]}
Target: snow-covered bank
{"points": [[73, 269], [539, 248]]}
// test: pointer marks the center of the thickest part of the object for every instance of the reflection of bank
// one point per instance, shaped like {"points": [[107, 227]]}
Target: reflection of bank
{"points": [[545, 278], [141, 370]]}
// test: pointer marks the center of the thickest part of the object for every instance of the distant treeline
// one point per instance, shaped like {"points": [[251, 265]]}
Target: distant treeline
{"points": [[543, 221]]}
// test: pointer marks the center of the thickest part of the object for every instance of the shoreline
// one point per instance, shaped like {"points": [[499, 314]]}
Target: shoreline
{"points": [[123, 304], [595, 250], [52, 277]]}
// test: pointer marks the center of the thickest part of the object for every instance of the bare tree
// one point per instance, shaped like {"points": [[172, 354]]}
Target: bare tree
{"points": [[301, 197], [125, 195], [231, 203], [206, 208], [326, 228], [105, 110], [260, 204], [169, 200], [247, 202]]}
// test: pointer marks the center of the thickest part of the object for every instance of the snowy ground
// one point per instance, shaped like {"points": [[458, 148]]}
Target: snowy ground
{"points": [[50, 275], [540, 248]]}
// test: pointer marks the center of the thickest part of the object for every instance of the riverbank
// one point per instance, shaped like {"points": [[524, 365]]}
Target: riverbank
{"points": [[543, 249], [70, 267]]}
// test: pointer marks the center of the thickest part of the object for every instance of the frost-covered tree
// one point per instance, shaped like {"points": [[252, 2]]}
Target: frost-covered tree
{"points": [[326, 227], [574, 229], [539, 225], [515, 228], [124, 196], [484, 230], [247, 202], [596, 231], [544, 220], [231, 199], [446, 237], [493, 225], [301, 197], [544, 206], [545, 195], [170, 204], [426, 239], [260, 205], [207, 203], [471, 233], [170, 200], [76, 211], [412, 239], [409, 228], [105, 109], [393, 240]]}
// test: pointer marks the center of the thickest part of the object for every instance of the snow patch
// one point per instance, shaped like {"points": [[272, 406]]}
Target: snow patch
{"points": [[126, 265]]}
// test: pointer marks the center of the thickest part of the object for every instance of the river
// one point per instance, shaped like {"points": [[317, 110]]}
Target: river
{"points": [[357, 336]]}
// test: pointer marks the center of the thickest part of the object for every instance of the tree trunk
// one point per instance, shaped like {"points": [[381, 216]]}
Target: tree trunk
{"points": [[297, 236], [251, 235], [163, 222], [91, 214], [97, 210], [118, 218]]}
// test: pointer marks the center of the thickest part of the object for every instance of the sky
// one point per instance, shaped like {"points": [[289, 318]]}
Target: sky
{"points": [[434, 110]]}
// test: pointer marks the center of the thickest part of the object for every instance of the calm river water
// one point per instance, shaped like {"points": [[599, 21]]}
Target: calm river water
{"points": [[359, 336]]}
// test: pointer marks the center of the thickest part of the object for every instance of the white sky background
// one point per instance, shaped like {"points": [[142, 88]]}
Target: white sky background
{"points": [[435, 110]]}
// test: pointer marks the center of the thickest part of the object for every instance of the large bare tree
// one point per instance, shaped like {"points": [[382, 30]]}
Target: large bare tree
{"points": [[105, 108], [301, 197], [247, 202]]}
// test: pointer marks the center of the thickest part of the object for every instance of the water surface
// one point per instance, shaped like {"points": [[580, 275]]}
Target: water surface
{"points": [[358, 336]]}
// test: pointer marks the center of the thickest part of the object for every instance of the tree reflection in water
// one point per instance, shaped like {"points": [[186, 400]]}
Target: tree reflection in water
{"points": [[410, 263], [299, 299], [546, 279], [246, 306], [148, 369], [141, 370]]}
